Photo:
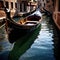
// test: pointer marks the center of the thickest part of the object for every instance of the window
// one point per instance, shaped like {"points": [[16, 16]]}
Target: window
{"points": [[20, 7], [59, 6], [15, 5], [44, 4], [47, 1], [24, 6], [1, 4], [7, 4], [12, 5]]}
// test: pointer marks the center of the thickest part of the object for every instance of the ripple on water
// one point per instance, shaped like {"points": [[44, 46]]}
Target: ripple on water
{"points": [[4, 43]]}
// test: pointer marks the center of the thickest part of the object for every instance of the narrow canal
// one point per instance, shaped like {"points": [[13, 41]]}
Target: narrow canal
{"points": [[41, 49]]}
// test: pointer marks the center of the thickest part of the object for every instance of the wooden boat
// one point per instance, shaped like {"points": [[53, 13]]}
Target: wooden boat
{"points": [[15, 30]]}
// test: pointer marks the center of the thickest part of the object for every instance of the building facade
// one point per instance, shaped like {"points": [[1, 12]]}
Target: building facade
{"points": [[46, 4], [31, 5], [24, 6], [49, 6], [18, 6], [56, 13], [10, 4], [41, 3]]}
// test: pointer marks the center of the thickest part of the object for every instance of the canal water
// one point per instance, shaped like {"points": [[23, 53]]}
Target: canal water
{"points": [[42, 47]]}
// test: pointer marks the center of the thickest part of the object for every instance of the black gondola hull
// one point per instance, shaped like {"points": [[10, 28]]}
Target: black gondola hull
{"points": [[16, 30]]}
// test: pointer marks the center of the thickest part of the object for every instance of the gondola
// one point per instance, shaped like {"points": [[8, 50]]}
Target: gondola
{"points": [[16, 30]]}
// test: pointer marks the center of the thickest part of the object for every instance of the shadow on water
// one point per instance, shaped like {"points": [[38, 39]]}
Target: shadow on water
{"points": [[21, 46], [56, 45], [56, 39]]}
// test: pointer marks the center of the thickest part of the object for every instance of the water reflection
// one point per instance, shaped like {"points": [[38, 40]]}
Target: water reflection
{"points": [[5, 46]]}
